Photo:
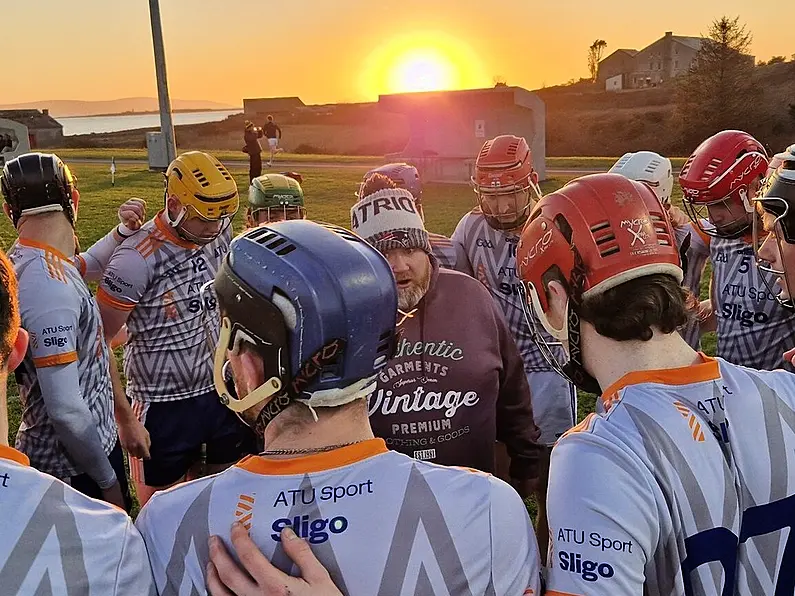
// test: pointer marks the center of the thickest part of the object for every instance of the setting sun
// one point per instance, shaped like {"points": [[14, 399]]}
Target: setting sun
{"points": [[422, 61], [423, 70]]}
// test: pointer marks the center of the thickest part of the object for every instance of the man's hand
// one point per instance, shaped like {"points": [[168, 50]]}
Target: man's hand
{"points": [[679, 218], [113, 496], [134, 437], [132, 213], [225, 578], [789, 356]]}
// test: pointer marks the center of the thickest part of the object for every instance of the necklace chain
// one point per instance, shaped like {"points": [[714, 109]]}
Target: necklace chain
{"points": [[307, 450]]}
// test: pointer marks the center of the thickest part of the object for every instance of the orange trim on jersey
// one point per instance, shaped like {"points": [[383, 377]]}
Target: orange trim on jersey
{"points": [[41, 246], [55, 266], [583, 426], [705, 238], [556, 593], [706, 370], [12, 454], [81, 265], [314, 463], [170, 235], [55, 360], [105, 298]]}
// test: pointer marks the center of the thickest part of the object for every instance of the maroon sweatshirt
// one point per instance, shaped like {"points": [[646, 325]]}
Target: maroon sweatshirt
{"points": [[457, 383]]}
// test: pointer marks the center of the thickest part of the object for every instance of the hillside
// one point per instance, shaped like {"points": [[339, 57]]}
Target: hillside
{"points": [[67, 107], [581, 120]]}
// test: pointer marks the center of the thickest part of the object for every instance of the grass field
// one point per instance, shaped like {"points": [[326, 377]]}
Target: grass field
{"points": [[329, 192], [67, 154], [551, 162]]}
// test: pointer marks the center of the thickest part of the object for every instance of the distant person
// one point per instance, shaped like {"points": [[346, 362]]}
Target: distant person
{"points": [[251, 136], [274, 135]]}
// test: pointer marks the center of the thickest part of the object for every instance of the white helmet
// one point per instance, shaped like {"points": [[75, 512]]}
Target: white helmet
{"points": [[649, 167]]}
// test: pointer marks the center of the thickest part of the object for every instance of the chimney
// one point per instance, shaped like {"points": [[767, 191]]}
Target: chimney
{"points": [[669, 33], [46, 112]]}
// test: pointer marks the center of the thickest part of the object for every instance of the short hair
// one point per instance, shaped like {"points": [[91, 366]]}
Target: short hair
{"points": [[270, 118], [374, 183], [633, 309], [9, 308]]}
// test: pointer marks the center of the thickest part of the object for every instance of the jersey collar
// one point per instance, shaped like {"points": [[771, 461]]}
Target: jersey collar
{"points": [[319, 462], [12, 454], [170, 234], [706, 370], [26, 242]]}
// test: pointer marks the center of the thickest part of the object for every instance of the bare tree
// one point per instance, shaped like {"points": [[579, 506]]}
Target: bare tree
{"points": [[594, 56], [718, 92]]}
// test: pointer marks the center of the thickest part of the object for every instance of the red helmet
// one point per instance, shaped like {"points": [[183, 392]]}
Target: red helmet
{"points": [[599, 231], [504, 166], [719, 174]]}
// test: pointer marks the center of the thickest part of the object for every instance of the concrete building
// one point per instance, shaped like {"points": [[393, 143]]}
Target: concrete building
{"points": [[259, 108], [448, 128], [663, 60], [43, 129]]}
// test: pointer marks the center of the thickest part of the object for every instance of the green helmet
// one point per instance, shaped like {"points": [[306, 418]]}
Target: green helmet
{"points": [[280, 195]]}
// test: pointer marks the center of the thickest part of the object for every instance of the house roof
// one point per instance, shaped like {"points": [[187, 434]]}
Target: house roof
{"points": [[692, 42], [33, 119], [628, 52]]}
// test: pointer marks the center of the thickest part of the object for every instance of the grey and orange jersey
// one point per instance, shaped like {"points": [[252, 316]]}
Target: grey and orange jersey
{"points": [[157, 277], [443, 249], [697, 254], [58, 541], [753, 328], [683, 483], [489, 256], [61, 316], [379, 521]]}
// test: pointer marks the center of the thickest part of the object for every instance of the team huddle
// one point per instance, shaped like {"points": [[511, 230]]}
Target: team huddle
{"points": [[309, 409]]}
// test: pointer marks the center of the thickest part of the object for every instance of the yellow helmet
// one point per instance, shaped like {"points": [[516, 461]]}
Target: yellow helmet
{"points": [[206, 190]]}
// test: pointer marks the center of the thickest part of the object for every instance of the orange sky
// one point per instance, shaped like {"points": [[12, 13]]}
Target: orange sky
{"points": [[332, 50]]}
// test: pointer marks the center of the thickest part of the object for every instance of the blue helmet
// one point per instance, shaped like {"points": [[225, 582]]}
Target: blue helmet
{"points": [[315, 301], [402, 174]]}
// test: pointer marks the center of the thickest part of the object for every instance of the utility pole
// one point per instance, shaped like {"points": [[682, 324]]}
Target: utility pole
{"points": [[166, 122]]}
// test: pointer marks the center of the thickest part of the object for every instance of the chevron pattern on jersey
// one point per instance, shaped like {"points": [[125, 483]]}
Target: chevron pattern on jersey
{"points": [[167, 357], [753, 328], [492, 254], [37, 437]]}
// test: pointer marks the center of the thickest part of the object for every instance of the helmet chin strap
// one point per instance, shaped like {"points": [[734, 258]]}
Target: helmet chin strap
{"points": [[575, 368]]}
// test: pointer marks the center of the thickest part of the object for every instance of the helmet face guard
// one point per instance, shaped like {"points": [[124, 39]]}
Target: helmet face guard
{"points": [[769, 274], [189, 213], [730, 216], [275, 214], [518, 199], [776, 200], [232, 334]]}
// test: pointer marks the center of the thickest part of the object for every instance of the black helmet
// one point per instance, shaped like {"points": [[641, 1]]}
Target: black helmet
{"points": [[39, 183]]}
